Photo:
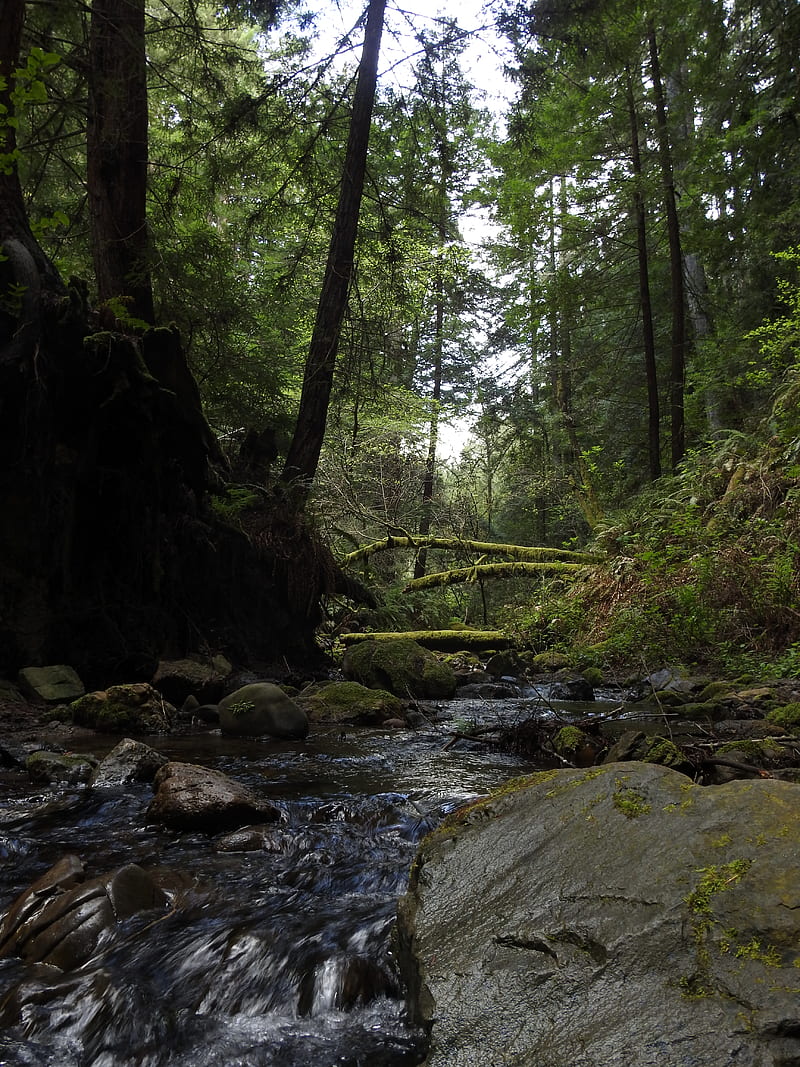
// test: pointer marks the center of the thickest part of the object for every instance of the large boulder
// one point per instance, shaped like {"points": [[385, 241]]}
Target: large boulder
{"points": [[53, 684], [178, 679], [62, 917], [350, 702], [189, 797], [132, 708], [402, 667], [620, 915], [259, 709]]}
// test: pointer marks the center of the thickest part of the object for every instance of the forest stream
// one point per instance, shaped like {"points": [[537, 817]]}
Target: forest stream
{"points": [[281, 955]]}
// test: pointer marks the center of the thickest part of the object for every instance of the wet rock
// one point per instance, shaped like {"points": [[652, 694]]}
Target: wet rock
{"points": [[400, 666], [189, 797], [60, 767], [350, 702], [488, 691], [54, 685], [60, 919], [260, 709], [621, 916], [577, 746], [572, 689], [505, 664], [635, 745], [472, 677], [134, 708], [178, 679], [343, 983], [129, 761], [251, 839]]}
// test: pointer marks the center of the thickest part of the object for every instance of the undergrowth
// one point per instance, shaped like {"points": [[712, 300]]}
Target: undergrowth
{"points": [[703, 569]]}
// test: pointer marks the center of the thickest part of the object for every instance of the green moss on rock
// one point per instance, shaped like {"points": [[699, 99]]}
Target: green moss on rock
{"points": [[351, 702], [788, 716]]}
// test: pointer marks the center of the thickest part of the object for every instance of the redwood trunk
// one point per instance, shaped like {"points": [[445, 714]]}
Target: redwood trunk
{"points": [[677, 294], [117, 155], [651, 372]]}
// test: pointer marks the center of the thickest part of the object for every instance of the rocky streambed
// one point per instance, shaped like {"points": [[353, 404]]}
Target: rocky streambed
{"points": [[210, 898]]}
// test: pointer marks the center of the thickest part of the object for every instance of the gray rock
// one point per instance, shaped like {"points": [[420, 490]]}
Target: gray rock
{"points": [[259, 709], [620, 916], [129, 761], [53, 685], [61, 917], [189, 797]]}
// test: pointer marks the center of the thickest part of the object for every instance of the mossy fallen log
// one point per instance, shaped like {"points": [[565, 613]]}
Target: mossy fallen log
{"points": [[490, 570], [456, 544], [441, 640]]}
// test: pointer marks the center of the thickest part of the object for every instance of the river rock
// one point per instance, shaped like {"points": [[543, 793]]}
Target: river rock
{"points": [[65, 767], [262, 708], [620, 915], [178, 679], [129, 761], [54, 685], [350, 702], [189, 797], [61, 917], [400, 666], [136, 708]]}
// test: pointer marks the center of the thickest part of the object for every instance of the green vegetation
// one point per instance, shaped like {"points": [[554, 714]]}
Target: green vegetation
{"points": [[640, 467], [630, 802]]}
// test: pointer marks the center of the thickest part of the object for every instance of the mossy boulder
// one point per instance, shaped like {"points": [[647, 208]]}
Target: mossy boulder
{"points": [[135, 708], [262, 709], [788, 716], [619, 915], [67, 767], [545, 662], [350, 702], [402, 667]]}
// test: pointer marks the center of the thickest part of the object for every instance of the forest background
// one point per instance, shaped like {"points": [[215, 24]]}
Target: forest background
{"points": [[623, 344]]}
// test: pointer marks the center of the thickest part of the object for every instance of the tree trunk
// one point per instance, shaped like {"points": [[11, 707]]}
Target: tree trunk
{"points": [[677, 294], [651, 372], [27, 277], [304, 450], [117, 156]]}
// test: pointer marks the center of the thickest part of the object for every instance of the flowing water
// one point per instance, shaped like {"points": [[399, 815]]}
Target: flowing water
{"points": [[280, 956]]}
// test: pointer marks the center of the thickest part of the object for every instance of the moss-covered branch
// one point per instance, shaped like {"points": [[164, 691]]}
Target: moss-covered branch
{"points": [[441, 640], [489, 570], [517, 552]]}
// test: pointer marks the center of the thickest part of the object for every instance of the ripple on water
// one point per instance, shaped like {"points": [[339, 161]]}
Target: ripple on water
{"points": [[278, 955]]}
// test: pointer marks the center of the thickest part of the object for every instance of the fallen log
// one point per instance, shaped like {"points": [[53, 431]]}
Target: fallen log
{"points": [[441, 640], [489, 570], [490, 548]]}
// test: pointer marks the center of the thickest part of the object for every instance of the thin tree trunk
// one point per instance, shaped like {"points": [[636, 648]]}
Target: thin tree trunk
{"points": [[651, 372], [116, 152], [304, 451], [677, 294]]}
